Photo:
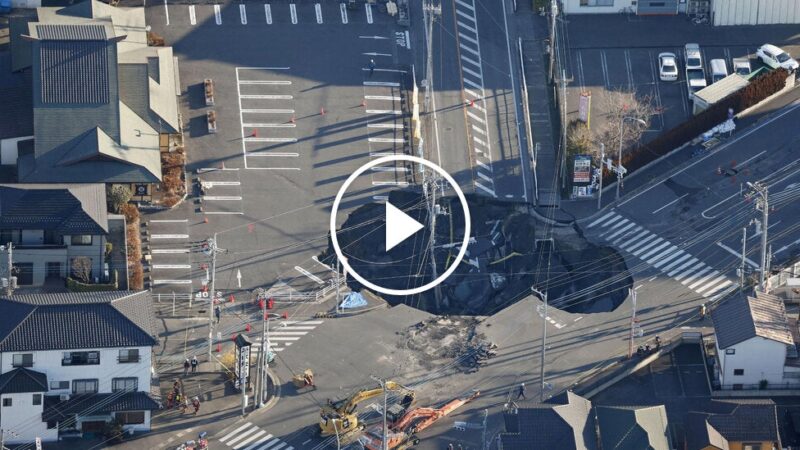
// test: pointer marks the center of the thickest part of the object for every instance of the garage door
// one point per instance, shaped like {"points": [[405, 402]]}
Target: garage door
{"points": [[658, 7]]}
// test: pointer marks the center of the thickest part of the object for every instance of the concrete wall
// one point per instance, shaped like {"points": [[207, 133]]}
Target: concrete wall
{"points": [[761, 359], [26, 3], [24, 419], [49, 363], [574, 7], [755, 12]]}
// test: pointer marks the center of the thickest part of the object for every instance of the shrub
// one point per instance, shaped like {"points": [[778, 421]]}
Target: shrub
{"points": [[81, 268], [131, 213], [113, 432], [109, 249], [77, 286], [136, 276], [118, 195]]}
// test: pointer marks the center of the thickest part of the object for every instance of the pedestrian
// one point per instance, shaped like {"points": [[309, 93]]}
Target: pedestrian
{"points": [[184, 405], [196, 405], [217, 312], [658, 342], [450, 446], [170, 399], [703, 311], [194, 364], [178, 400], [176, 387], [521, 391], [186, 365], [371, 67]]}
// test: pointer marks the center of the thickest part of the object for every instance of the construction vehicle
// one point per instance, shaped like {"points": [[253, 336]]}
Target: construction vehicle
{"points": [[338, 417], [402, 434]]}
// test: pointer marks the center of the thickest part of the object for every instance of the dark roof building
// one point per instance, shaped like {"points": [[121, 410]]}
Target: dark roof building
{"points": [[633, 428], [76, 321], [101, 96], [22, 380], [744, 317], [67, 209], [567, 425], [738, 422]]}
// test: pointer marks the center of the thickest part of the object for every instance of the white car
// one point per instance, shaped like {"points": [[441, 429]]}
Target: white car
{"points": [[741, 66], [667, 66], [694, 59], [695, 81], [776, 58]]}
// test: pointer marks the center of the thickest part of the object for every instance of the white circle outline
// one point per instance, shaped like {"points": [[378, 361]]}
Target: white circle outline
{"points": [[464, 242]]}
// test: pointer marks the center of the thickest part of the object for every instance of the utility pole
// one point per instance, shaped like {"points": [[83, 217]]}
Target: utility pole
{"points": [[9, 272], [602, 161], [338, 284], [385, 442], [741, 269], [633, 323], [213, 250], [762, 204], [564, 129], [429, 189], [430, 11], [553, 18], [543, 296], [621, 170]]}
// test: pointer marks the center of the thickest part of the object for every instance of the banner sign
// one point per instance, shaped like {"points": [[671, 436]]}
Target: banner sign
{"points": [[582, 169]]}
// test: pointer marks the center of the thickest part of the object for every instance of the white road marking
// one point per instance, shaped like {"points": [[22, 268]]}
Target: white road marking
{"points": [[268, 111], [653, 251], [318, 11], [171, 266], [683, 266], [192, 15], [661, 261], [704, 279], [243, 13], [486, 189], [169, 236], [169, 221], [221, 198], [384, 111], [471, 61], [226, 213], [293, 11], [602, 219], [258, 139], [382, 83], [637, 237], [169, 251], [387, 140], [166, 11], [465, 15], [465, 26], [269, 125], [249, 440], [172, 282], [667, 254], [715, 288], [369, 13], [315, 278], [267, 96], [681, 260], [737, 254], [670, 203], [242, 436], [612, 220], [390, 183], [343, 10], [475, 117], [621, 230], [217, 15], [268, 13], [642, 249], [466, 5], [474, 52], [408, 40], [395, 126], [695, 276], [604, 67], [278, 82], [277, 154], [260, 441], [629, 246]]}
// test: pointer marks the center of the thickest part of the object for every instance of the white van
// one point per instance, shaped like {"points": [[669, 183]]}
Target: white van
{"points": [[719, 70]]}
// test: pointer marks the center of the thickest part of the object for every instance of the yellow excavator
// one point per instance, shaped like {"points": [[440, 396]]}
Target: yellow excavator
{"points": [[338, 417]]}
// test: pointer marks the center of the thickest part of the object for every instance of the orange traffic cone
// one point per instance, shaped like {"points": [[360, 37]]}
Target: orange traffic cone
{"points": [[247, 328], [363, 103], [205, 219], [293, 120], [219, 348], [322, 111], [285, 315]]}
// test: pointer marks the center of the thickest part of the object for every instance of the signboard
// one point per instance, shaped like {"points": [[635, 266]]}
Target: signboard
{"points": [[242, 367], [582, 169], [38, 443], [585, 108]]}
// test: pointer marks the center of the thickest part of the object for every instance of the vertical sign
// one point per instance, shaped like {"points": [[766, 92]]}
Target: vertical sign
{"points": [[242, 364], [585, 109], [582, 169]]}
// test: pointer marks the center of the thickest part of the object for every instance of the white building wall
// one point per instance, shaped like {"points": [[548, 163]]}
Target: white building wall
{"points": [[761, 359], [22, 421], [8, 147], [574, 7], [49, 363], [755, 12]]}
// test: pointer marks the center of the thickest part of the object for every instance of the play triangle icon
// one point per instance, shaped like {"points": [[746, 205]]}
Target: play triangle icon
{"points": [[399, 226]]}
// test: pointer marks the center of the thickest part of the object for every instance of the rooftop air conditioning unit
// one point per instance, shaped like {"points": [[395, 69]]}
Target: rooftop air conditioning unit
{"points": [[63, 397]]}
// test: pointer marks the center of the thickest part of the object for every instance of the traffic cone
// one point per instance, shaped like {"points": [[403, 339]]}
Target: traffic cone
{"points": [[472, 103], [233, 337], [363, 103], [293, 120], [247, 328], [232, 298], [255, 132], [321, 111], [219, 348], [205, 219], [285, 315]]}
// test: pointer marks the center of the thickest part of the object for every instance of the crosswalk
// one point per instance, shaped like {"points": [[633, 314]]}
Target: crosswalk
{"points": [[663, 255], [294, 13], [286, 333], [474, 95], [251, 437]]}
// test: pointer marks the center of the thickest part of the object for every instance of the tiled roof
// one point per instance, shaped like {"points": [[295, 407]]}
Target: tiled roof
{"points": [[67, 209], [22, 380], [89, 404], [65, 32], [743, 317], [742, 421], [77, 321], [74, 72], [568, 426], [633, 428]]}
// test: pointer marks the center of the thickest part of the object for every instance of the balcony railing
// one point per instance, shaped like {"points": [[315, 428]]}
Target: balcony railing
{"points": [[129, 359]]}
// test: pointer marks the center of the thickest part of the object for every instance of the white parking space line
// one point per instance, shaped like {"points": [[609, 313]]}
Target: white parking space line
{"points": [[581, 82], [604, 67], [395, 126], [169, 236], [243, 13], [293, 12], [166, 11], [343, 10], [274, 155], [382, 97], [384, 111], [217, 15], [155, 282], [269, 82], [629, 69], [267, 97], [265, 139], [268, 111], [382, 83], [269, 125], [168, 251], [656, 81], [318, 11], [221, 198], [268, 13], [169, 221], [192, 15], [369, 13], [171, 266], [390, 183], [387, 140]]}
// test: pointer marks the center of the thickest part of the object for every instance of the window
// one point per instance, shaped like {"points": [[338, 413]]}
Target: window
{"points": [[751, 446], [80, 358], [55, 385], [128, 355], [730, 351], [22, 360], [13, 236], [37, 399], [81, 239], [738, 371], [738, 386], [6, 402], [597, 2], [124, 384], [52, 424], [84, 386], [130, 418]]}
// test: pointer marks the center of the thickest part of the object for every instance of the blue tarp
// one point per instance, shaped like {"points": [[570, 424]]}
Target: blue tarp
{"points": [[353, 300]]}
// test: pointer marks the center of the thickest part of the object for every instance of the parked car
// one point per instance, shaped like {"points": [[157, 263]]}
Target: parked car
{"points": [[694, 59], [667, 66], [719, 70], [695, 80], [5, 6], [776, 58], [741, 66]]}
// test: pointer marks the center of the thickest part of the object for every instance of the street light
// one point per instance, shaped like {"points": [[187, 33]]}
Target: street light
{"points": [[619, 160], [265, 349]]}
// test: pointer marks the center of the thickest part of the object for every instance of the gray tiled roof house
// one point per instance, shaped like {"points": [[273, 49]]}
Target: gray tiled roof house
{"points": [[633, 428], [568, 425], [101, 96], [22, 380], [743, 317], [66, 209]]}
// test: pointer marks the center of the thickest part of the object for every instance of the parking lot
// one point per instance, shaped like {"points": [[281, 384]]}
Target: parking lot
{"points": [[680, 373], [619, 54]]}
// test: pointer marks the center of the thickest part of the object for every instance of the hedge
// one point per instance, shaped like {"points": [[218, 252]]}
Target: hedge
{"points": [[755, 92], [77, 286]]}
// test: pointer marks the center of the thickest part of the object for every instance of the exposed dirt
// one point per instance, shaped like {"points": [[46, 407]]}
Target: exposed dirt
{"points": [[447, 340]]}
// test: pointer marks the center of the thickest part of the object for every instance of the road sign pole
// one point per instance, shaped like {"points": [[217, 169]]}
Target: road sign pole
{"points": [[633, 323], [600, 191]]}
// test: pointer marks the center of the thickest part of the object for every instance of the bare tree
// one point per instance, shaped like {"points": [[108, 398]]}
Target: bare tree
{"points": [[617, 106], [82, 269]]}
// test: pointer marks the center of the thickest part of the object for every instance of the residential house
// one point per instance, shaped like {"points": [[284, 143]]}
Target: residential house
{"points": [[615, 6], [570, 422], [739, 425], [69, 363], [104, 102], [755, 343], [55, 230]]}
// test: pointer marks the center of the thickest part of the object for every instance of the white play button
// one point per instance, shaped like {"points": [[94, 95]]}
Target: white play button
{"points": [[399, 226]]}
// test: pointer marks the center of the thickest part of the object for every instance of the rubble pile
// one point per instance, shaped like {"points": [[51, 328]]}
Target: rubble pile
{"points": [[448, 341]]}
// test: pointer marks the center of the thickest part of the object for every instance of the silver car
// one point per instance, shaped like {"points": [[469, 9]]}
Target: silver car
{"points": [[667, 66]]}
